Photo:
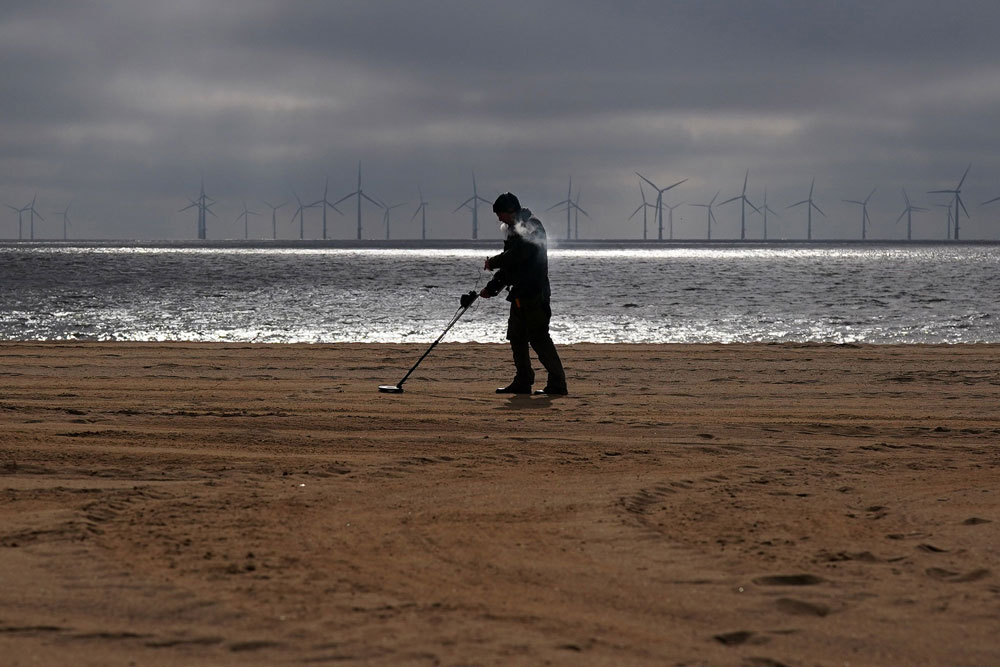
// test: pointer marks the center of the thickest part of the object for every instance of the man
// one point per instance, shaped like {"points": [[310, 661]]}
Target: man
{"points": [[522, 268]]}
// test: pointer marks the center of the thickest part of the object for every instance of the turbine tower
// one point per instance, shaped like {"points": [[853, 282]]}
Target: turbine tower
{"points": [[958, 198], [809, 208], [472, 203], [865, 220], [360, 194], [711, 215], [203, 203], [274, 217], [246, 219], [670, 218], [65, 216], [576, 216], [422, 210], [908, 212], [742, 198], [571, 207], [764, 210], [325, 201], [659, 201], [644, 207], [32, 212], [300, 213], [20, 220], [385, 216]]}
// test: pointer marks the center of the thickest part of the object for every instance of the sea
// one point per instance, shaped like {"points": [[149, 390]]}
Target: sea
{"points": [[612, 292]]}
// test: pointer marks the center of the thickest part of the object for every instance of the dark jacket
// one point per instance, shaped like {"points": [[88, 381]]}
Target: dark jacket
{"points": [[523, 265]]}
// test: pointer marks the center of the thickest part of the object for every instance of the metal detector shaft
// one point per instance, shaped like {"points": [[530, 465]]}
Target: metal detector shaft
{"points": [[434, 344]]}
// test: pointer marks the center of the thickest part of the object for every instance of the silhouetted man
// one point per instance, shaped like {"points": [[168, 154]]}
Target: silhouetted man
{"points": [[523, 268]]}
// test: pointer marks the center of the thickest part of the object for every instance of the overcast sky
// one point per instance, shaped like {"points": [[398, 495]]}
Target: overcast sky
{"points": [[118, 108]]}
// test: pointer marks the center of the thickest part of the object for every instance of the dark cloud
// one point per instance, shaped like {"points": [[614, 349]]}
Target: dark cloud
{"points": [[122, 107]]}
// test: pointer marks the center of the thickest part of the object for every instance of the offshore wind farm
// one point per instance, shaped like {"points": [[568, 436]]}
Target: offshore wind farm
{"points": [[679, 223]]}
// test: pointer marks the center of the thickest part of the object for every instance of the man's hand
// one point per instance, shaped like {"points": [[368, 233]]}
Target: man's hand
{"points": [[467, 299], [485, 294], [486, 265]]}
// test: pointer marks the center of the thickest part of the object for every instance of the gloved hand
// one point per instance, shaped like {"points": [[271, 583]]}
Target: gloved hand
{"points": [[467, 299]]}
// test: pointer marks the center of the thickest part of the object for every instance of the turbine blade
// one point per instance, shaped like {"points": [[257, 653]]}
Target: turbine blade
{"points": [[344, 198], [959, 186], [647, 180], [988, 201], [728, 200], [818, 209], [673, 186]]}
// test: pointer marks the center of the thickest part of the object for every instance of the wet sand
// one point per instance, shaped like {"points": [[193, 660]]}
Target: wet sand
{"points": [[224, 504]]}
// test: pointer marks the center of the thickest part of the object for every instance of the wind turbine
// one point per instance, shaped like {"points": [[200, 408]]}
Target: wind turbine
{"points": [[422, 210], [644, 206], [711, 215], [203, 203], [908, 212], [326, 202], [360, 194], [20, 220], [300, 213], [568, 203], [670, 217], [742, 198], [571, 208], [810, 206], [472, 203], [246, 219], [576, 216], [958, 198], [274, 217], [865, 219], [30, 208], [65, 216], [385, 216], [764, 210], [659, 201]]}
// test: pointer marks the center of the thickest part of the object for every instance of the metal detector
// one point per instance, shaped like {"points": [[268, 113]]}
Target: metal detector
{"points": [[398, 387]]}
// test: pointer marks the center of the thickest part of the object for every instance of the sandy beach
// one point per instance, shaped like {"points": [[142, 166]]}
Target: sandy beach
{"points": [[234, 504]]}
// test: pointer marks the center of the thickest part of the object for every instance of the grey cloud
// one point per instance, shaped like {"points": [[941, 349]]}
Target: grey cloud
{"points": [[123, 106]]}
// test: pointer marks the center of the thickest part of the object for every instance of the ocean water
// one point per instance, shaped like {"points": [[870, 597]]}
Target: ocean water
{"points": [[713, 294]]}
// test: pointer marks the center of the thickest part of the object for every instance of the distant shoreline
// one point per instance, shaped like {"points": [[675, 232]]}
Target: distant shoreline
{"points": [[459, 244]]}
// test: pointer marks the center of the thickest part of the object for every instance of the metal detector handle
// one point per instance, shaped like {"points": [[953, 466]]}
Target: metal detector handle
{"points": [[461, 311]]}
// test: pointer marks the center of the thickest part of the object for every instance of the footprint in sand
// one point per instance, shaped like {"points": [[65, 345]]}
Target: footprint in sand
{"points": [[956, 577], [734, 638], [789, 580], [801, 607]]}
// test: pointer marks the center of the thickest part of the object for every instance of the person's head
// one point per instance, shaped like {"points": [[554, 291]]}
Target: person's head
{"points": [[506, 207]]}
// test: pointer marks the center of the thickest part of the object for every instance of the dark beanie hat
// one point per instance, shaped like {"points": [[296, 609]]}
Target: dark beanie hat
{"points": [[506, 203]]}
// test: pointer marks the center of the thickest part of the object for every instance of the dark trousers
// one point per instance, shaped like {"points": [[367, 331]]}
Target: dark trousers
{"points": [[528, 326]]}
